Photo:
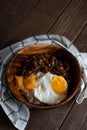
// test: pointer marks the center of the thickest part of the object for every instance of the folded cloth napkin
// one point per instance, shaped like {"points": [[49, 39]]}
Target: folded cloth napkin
{"points": [[17, 112]]}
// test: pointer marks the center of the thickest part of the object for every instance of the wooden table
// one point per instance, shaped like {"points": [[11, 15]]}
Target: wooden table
{"points": [[20, 19]]}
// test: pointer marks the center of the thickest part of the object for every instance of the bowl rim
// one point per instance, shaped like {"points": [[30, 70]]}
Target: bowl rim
{"points": [[48, 106]]}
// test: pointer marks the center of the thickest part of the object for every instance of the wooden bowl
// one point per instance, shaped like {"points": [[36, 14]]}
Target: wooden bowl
{"points": [[39, 49]]}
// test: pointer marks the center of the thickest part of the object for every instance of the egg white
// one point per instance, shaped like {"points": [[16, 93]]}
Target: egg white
{"points": [[44, 92]]}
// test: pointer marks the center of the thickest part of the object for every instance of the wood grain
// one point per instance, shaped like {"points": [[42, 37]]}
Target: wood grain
{"points": [[21, 19], [72, 21], [21, 23], [81, 41], [51, 119], [75, 119], [84, 125], [12, 15]]}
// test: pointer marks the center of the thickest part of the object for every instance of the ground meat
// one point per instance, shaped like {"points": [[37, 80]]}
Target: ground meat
{"points": [[44, 63]]}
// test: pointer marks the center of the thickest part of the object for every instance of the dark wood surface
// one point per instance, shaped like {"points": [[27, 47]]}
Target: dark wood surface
{"points": [[24, 18]]}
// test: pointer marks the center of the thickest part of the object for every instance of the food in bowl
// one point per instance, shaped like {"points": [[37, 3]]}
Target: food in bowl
{"points": [[43, 76]]}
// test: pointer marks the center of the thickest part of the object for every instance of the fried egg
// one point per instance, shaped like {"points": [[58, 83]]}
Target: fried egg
{"points": [[51, 89]]}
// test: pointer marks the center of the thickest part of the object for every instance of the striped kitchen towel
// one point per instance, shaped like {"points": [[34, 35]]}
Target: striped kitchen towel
{"points": [[17, 112]]}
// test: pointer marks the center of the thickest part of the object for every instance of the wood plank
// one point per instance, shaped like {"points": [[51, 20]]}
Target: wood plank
{"points": [[75, 119], [84, 125], [81, 41], [12, 9], [48, 119], [12, 14], [72, 20], [24, 24], [78, 113]]}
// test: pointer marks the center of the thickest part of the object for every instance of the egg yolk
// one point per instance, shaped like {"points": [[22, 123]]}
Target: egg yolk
{"points": [[30, 82], [59, 85]]}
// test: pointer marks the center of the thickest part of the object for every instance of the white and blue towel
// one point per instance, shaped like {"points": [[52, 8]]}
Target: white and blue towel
{"points": [[17, 112]]}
